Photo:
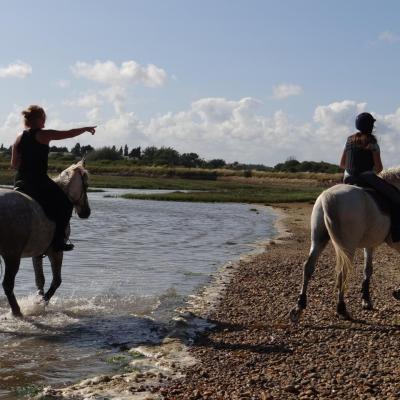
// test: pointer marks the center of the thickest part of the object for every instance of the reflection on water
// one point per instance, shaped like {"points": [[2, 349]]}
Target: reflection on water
{"points": [[133, 260]]}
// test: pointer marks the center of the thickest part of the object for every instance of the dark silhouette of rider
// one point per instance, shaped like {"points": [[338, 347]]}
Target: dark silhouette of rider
{"points": [[30, 158]]}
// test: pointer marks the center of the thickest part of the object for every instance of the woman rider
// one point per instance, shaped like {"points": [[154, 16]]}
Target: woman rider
{"points": [[30, 158], [361, 161]]}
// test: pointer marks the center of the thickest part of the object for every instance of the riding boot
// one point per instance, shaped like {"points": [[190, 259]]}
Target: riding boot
{"points": [[60, 240], [60, 245], [395, 224]]}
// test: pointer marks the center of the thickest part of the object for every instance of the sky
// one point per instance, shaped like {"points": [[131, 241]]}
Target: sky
{"points": [[248, 81]]}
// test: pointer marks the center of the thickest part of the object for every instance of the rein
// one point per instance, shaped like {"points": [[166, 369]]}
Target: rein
{"points": [[83, 191]]}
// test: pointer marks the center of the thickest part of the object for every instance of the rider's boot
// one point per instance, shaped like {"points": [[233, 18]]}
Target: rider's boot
{"points": [[61, 245]]}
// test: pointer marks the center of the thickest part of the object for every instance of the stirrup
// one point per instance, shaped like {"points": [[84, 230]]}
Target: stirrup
{"points": [[64, 246], [68, 246]]}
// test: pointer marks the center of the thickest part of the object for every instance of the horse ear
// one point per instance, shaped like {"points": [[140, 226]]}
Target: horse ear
{"points": [[83, 161]]}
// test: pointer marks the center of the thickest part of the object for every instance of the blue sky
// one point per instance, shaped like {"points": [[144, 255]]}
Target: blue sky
{"points": [[253, 81]]}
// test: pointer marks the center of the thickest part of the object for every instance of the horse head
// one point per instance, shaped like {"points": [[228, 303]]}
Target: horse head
{"points": [[74, 182]]}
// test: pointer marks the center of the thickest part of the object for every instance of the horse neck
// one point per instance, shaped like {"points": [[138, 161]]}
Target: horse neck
{"points": [[392, 176], [62, 184]]}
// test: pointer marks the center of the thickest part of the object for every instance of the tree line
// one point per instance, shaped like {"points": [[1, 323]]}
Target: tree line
{"points": [[167, 156]]}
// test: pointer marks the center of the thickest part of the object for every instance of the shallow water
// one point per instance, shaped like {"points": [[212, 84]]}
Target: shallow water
{"points": [[134, 263]]}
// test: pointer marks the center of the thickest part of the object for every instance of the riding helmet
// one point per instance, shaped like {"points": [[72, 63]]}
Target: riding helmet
{"points": [[365, 122]]}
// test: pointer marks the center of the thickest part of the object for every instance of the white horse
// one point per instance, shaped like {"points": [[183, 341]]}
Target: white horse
{"points": [[25, 231], [349, 217]]}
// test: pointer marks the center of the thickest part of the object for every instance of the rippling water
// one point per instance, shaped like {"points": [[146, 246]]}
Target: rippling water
{"points": [[133, 263]]}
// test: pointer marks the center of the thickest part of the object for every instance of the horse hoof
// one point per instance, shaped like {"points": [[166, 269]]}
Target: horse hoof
{"points": [[396, 294], [295, 314], [366, 305], [43, 301], [344, 316]]}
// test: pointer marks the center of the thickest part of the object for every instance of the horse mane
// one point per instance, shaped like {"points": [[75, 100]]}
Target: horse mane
{"points": [[391, 175], [64, 177]]}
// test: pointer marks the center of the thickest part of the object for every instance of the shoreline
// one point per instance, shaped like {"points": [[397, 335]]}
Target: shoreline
{"points": [[190, 321], [254, 352], [246, 348]]}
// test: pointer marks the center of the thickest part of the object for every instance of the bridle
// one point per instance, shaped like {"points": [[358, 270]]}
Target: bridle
{"points": [[83, 190]]}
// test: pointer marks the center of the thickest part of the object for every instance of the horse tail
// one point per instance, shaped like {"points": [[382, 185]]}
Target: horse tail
{"points": [[344, 264]]}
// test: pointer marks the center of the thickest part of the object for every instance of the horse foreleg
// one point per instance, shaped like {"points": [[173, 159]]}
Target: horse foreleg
{"points": [[39, 276], [366, 298], [308, 270], [11, 269], [56, 259]]}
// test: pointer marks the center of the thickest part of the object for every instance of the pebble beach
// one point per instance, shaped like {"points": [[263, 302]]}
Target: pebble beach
{"points": [[254, 352]]}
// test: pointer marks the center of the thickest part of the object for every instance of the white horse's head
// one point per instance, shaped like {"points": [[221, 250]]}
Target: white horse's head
{"points": [[74, 182]]}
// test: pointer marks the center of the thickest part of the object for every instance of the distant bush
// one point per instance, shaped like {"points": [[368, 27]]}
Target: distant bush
{"points": [[199, 174], [307, 166], [104, 153], [247, 173], [61, 156]]}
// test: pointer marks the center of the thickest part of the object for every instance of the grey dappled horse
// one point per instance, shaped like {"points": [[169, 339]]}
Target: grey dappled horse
{"points": [[351, 219], [25, 231]]}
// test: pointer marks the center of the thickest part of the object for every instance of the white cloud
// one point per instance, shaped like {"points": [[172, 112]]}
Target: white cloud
{"points": [[85, 101], [116, 96], [18, 69], [286, 90], [118, 130], [335, 120], [93, 115], [389, 37], [62, 83], [236, 130], [130, 72], [217, 127], [11, 127]]}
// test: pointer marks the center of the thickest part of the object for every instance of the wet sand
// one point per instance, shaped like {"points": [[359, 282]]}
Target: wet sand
{"points": [[254, 352]]}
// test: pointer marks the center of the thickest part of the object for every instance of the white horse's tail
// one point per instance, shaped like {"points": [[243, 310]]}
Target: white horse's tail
{"points": [[344, 264]]}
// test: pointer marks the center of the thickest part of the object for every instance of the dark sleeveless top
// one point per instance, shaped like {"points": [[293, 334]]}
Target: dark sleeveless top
{"points": [[359, 159], [34, 157]]}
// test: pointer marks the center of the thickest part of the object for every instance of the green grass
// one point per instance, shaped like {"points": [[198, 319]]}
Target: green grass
{"points": [[259, 195], [221, 190], [6, 177], [28, 391], [131, 168], [230, 186]]}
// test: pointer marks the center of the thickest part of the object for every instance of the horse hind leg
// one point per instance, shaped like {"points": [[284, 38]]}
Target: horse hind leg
{"points": [[11, 270], [366, 298], [344, 261]]}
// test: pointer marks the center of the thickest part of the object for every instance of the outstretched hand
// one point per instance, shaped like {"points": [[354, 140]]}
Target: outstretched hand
{"points": [[91, 129]]}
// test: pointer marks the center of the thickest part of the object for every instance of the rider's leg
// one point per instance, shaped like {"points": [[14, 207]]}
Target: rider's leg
{"points": [[59, 209], [392, 194], [383, 187]]}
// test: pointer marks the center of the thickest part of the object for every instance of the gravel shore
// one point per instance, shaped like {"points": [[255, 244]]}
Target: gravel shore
{"points": [[254, 352]]}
